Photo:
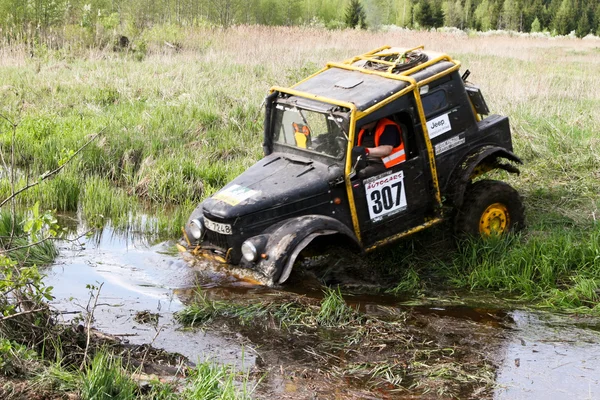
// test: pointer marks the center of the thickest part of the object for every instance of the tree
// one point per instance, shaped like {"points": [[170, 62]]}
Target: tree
{"points": [[424, 14], [563, 21], [355, 15], [467, 13], [536, 26], [453, 13], [483, 16], [403, 12], [510, 15], [224, 11], [584, 25]]}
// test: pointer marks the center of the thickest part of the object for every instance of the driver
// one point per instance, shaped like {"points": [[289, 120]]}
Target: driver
{"points": [[380, 144]]}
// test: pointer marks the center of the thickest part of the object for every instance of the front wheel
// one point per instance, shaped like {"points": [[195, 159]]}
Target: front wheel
{"points": [[490, 208]]}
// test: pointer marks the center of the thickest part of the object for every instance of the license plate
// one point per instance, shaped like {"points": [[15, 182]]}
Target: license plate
{"points": [[224, 229]]}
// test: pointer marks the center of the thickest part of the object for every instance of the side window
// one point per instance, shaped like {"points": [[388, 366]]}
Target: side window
{"points": [[434, 101]]}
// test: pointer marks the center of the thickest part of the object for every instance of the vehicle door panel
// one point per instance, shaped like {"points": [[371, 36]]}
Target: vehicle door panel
{"points": [[392, 201]]}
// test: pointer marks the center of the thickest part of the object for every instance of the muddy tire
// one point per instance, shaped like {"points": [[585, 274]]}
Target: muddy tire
{"points": [[490, 208]]}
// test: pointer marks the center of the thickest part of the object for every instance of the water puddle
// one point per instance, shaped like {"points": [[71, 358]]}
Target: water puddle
{"points": [[531, 354], [550, 357], [136, 277]]}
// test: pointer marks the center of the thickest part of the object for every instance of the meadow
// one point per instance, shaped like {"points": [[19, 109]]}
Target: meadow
{"points": [[179, 121], [178, 114]]}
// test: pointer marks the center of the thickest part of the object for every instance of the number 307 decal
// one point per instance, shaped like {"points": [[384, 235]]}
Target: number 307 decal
{"points": [[385, 195]]}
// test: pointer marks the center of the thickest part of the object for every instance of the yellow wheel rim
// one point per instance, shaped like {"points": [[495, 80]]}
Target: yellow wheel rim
{"points": [[494, 220]]}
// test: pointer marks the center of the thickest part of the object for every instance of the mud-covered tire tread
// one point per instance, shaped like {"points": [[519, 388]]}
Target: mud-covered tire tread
{"points": [[478, 197]]}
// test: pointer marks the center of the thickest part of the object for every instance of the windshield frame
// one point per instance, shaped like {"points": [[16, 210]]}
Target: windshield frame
{"points": [[336, 121]]}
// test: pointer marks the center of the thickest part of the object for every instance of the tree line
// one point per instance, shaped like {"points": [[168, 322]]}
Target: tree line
{"points": [[22, 18]]}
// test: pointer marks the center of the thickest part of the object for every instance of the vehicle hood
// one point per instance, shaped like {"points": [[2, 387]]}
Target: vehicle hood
{"points": [[275, 180]]}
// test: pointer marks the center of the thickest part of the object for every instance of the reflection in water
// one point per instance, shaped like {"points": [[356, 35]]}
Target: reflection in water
{"points": [[550, 357], [136, 277]]}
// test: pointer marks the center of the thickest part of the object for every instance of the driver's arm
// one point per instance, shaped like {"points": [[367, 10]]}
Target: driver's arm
{"points": [[380, 151], [390, 138]]}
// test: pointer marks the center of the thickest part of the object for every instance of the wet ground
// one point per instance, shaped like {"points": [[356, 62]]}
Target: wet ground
{"points": [[525, 354]]}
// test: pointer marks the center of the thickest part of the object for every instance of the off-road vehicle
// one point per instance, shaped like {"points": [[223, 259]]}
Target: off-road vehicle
{"points": [[307, 185]]}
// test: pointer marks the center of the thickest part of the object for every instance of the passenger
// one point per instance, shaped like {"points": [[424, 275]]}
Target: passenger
{"points": [[380, 145]]}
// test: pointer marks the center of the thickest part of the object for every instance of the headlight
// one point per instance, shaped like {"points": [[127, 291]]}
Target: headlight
{"points": [[249, 251], [195, 228]]}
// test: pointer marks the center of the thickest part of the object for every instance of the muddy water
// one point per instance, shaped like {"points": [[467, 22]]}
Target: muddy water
{"points": [[136, 277], [535, 355], [550, 357]]}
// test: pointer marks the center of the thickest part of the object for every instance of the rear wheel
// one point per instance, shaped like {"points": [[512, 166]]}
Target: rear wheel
{"points": [[490, 208]]}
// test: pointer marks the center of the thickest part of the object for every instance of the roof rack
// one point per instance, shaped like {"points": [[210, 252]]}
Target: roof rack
{"points": [[390, 62]]}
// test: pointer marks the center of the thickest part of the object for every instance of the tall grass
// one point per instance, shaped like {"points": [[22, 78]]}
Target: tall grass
{"points": [[106, 380], [216, 382], [334, 311], [561, 268], [17, 243]]}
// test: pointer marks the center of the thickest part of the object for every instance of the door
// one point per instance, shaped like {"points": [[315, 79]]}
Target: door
{"points": [[397, 199]]}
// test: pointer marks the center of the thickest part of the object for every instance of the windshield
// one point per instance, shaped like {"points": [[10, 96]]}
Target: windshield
{"points": [[309, 130]]}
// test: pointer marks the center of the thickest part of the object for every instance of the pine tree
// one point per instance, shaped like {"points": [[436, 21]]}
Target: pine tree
{"points": [[563, 21], [584, 25], [536, 26], [355, 15], [438, 13], [424, 14]]}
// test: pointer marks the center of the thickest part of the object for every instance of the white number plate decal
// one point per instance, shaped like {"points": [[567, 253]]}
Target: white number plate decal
{"points": [[385, 195], [225, 229], [438, 125]]}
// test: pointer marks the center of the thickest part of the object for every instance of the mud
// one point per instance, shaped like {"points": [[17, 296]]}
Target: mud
{"points": [[437, 347]]}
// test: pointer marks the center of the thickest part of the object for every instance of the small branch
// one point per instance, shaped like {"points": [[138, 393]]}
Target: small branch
{"points": [[48, 174], [159, 330], [26, 246], [89, 323], [20, 313]]}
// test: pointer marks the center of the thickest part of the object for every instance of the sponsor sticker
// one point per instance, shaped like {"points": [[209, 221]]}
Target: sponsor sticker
{"points": [[438, 126], [385, 195], [235, 194], [449, 144]]}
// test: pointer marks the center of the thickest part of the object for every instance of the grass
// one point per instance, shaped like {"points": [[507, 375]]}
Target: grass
{"points": [[204, 311], [19, 246], [332, 312], [106, 378], [215, 382]]}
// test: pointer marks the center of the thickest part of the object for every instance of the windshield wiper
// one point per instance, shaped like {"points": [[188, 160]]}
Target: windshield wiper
{"points": [[297, 161]]}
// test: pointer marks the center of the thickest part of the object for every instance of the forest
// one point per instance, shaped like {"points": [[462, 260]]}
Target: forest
{"points": [[26, 20]]}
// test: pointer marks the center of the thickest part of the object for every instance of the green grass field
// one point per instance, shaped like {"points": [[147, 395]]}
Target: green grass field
{"points": [[179, 124]]}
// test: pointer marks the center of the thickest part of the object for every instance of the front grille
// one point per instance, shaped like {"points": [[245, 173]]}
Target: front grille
{"points": [[216, 239]]}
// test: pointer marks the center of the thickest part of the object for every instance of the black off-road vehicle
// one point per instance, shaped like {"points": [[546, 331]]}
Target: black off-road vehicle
{"points": [[308, 185]]}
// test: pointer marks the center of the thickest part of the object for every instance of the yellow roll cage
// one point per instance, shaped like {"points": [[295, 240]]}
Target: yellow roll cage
{"points": [[355, 115]]}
